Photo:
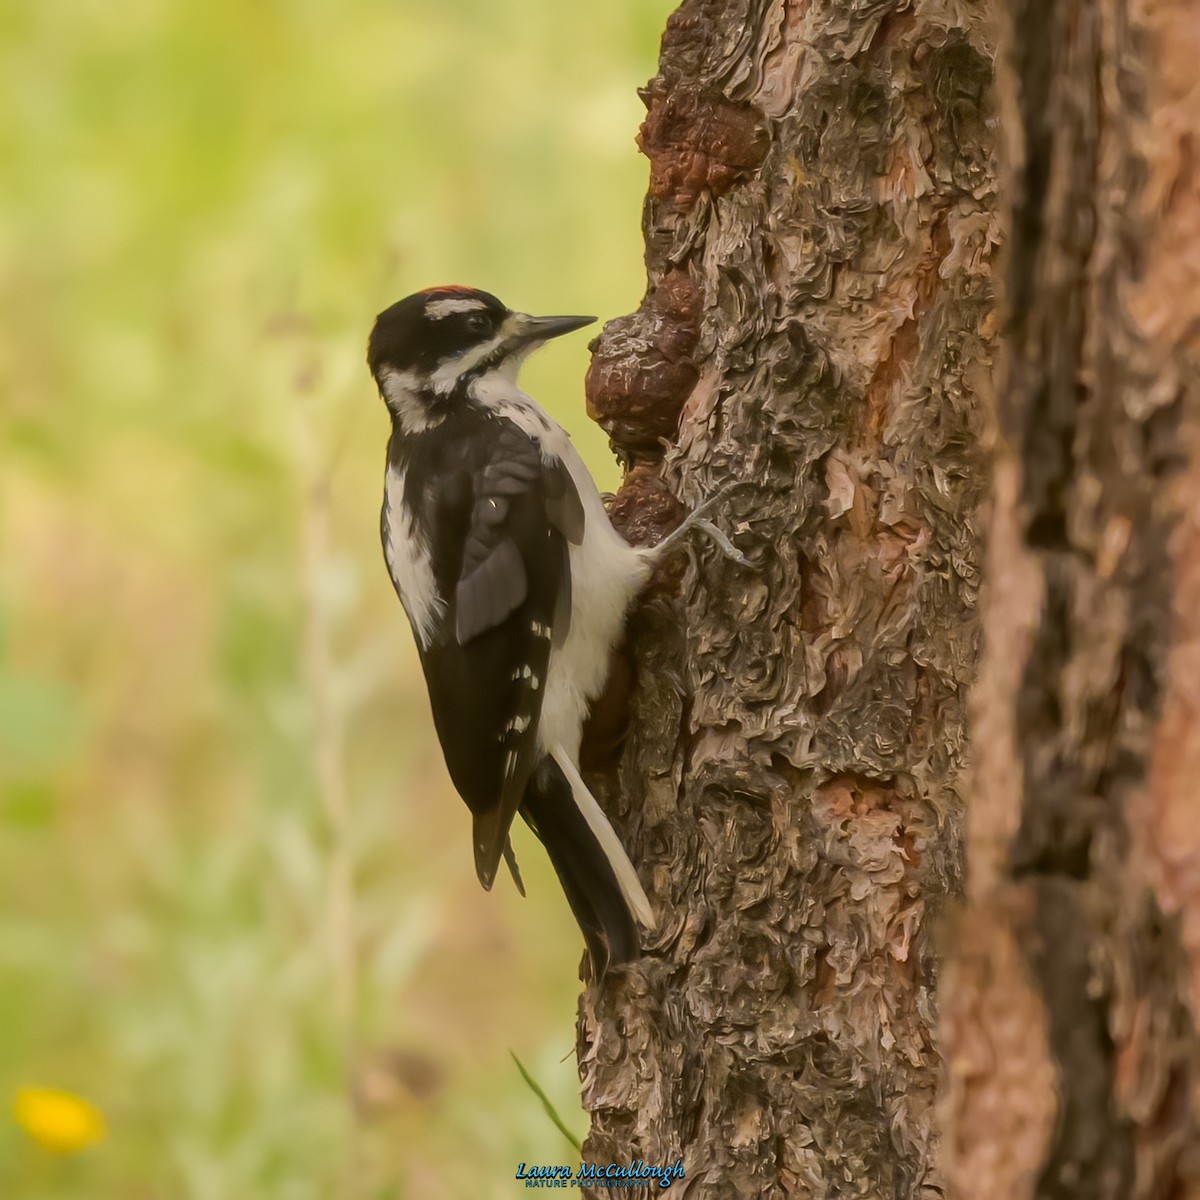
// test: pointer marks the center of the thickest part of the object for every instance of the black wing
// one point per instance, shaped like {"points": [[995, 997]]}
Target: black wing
{"points": [[508, 592]]}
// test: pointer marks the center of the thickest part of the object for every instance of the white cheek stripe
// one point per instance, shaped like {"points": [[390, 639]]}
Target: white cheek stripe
{"points": [[437, 309], [409, 563], [400, 394], [398, 386]]}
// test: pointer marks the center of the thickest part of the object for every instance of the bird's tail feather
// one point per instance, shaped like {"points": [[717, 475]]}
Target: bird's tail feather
{"points": [[627, 880], [596, 887]]}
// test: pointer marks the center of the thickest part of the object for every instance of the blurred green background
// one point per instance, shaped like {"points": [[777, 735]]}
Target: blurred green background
{"points": [[237, 905]]}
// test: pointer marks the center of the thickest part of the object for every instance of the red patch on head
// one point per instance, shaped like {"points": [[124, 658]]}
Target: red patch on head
{"points": [[454, 289]]}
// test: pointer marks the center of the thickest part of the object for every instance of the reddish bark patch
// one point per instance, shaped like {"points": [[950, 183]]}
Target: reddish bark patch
{"points": [[919, 289], [645, 511], [697, 142], [642, 372], [634, 392], [678, 302], [875, 809]]}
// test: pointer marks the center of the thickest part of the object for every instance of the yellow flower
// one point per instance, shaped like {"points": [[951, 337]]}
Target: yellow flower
{"points": [[61, 1122]]}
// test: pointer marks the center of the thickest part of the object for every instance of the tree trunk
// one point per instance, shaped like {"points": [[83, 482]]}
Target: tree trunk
{"points": [[1069, 1002], [819, 324]]}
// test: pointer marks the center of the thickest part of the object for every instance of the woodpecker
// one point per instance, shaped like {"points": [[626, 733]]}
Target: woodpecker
{"points": [[516, 586]]}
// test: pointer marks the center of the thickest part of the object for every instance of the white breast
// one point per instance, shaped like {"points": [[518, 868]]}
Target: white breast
{"points": [[606, 574], [408, 561]]}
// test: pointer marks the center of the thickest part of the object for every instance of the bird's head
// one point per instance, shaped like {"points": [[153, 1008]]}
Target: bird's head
{"points": [[429, 348]]}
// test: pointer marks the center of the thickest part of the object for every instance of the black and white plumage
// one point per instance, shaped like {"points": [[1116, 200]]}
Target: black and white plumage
{"points": [[516, 586]]}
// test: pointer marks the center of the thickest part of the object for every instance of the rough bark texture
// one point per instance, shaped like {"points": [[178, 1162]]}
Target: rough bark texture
{"points": [[818, 323], [1082, 921]]}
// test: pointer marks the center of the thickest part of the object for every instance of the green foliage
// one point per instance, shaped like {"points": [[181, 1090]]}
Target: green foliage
{"points": [[237, 906], [547, 1105]]}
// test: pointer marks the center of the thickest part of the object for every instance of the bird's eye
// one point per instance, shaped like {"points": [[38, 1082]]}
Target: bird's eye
{"points": [[478, 323]]}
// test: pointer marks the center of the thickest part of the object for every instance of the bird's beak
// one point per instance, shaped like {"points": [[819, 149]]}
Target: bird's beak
{"points": [[526, 331]]}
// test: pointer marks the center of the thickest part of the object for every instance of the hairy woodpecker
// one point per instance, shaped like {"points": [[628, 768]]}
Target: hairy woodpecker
{"points": [[516, 586]]}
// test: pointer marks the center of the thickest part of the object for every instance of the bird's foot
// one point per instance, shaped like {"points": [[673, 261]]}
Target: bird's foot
{"points": [[697, 521]]}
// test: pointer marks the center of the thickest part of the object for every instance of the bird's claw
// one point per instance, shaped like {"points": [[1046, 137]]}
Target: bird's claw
{"points": [[697, 520]]}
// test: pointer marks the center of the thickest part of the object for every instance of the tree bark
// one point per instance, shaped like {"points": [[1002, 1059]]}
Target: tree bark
{"points": [[819, 324], [1069, 1001]]}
